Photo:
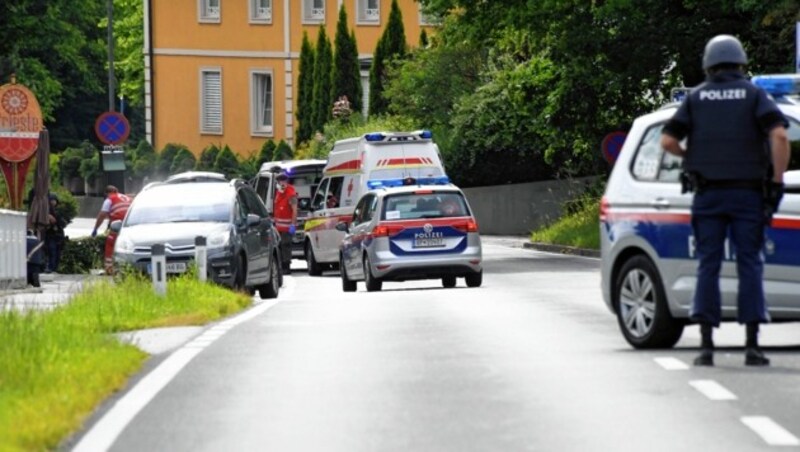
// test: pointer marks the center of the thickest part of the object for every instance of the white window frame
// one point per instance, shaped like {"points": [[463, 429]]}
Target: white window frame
{"points": [[257, 129], [205, 128], [312, 15], [206, 13], [260, 14], [366, 15]]}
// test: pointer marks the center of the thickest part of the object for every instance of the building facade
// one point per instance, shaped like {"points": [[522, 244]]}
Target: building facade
{"points": [[225, 72]]}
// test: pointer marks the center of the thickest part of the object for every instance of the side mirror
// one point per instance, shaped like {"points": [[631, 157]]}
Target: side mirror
{"points": [[253, 220], [116, 226], [342, 227]]}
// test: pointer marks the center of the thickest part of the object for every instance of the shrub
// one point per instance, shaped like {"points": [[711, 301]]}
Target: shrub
{"points": [[82, 255], [183, 161], [208, 158]]}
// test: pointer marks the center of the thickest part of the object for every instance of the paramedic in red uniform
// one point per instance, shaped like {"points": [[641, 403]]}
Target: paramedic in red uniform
{"points": [[285, 212], [114, 208]]}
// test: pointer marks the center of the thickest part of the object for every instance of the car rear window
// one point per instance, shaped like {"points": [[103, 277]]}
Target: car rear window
{"points": [[180, 203], [409, 206]]}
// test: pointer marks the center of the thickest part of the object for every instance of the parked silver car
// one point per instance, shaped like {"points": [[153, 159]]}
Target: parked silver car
{"points": [[411, 232], [242, 244], [648, 261]]}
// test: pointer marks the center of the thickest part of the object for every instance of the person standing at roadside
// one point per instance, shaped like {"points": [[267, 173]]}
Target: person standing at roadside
{"points": [[54, 236], [733, 131], [115, 206], [285, 213]]}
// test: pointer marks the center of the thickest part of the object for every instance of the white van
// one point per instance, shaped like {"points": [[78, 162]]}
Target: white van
{"points": [[356, 165], [304, 175]]}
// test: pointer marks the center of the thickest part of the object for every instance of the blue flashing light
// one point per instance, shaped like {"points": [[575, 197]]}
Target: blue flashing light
{"points": [[778, 84], [386, 183], [426, 134], [440, 180], [374, 137]]}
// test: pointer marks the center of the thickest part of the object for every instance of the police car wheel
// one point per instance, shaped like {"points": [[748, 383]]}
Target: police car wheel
{"points": [[314, 269], [474, 279], [348, 285], [273, 286], [449, 281], [641, 306], [373, 284]]}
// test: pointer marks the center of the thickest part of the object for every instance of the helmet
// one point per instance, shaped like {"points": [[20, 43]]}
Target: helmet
{"points": [[723, 49]]}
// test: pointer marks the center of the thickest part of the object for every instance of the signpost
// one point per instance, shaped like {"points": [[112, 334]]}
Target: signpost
{"points": [[20, 124], [612, 145], [112, 129]]}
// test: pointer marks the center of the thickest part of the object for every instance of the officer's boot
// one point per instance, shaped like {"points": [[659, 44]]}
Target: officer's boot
{"points": [[706, 356], [753, 356]]}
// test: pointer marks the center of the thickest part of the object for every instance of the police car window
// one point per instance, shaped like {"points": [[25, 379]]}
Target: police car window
{"points": [[651, 162], [369, 207], [358, 213], [429, 205], [319, 196], [794, 140]]}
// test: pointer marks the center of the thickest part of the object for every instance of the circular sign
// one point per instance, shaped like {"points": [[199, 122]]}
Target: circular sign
{"points": [[112, 128], [20, 123], [612, 145]]}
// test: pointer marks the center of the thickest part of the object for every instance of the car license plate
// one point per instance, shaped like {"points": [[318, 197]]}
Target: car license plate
{"points": [[429, 242], [172, 267]]}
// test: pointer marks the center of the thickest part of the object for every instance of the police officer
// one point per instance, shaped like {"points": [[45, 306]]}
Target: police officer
{"points": [[733, 130]]}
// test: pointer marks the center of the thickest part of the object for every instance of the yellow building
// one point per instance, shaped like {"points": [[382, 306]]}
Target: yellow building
{"points": [[225, 71]]}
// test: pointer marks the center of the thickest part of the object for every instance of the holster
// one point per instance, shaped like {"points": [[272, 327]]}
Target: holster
{"points": [[692, 182]]}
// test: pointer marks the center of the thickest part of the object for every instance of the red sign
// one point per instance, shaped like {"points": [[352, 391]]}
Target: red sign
{"points": [[612, 145], [112, 128], [20, 123]]}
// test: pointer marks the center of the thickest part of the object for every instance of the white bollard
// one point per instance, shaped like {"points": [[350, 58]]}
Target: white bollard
{"points": [[201, 257], [158, 269]]}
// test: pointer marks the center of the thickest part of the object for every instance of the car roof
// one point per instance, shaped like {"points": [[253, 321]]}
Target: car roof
{"points": [[196, 176], [412, 189], [293, 165]]}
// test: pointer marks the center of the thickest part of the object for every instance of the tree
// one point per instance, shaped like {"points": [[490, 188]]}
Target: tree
{"points": [[144, 160], [346, 77], [305, 94], [423, 39], [208, 158], [227, 163], [283, 151], [322, 81], [267, 152], [183, 161], [391, 45], [166, 157]]}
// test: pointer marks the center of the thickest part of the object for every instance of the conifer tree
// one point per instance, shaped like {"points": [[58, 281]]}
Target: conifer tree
{"points": [[322, 81], [346, 71], [266, 153], [283, 151], [423, 39], [391, 45], [305, 93]]}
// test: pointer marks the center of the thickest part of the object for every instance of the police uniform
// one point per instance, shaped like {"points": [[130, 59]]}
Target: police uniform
{"points": [[727, 121]]}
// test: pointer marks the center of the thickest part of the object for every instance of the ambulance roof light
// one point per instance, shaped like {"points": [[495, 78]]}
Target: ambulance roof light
{"points": [[778, 84], [374, 136], [426, 134]]}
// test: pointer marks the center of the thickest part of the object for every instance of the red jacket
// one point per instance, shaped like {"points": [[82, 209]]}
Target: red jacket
{"points": [[119, 206], [282, 208]]}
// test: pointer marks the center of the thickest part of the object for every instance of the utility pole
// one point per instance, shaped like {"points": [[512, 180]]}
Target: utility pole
{"points": [[111, 81]]}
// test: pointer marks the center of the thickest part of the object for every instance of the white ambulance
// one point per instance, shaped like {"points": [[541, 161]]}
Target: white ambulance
{"points": [[356, 165]]}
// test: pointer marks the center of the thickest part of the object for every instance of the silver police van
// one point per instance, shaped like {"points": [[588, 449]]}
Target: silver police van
{"points": [[649, 265]]}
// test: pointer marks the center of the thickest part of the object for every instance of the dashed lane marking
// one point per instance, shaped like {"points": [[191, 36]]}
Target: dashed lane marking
{"points": [[770, 431], [712, 390], [671, 363], [106, 430]]}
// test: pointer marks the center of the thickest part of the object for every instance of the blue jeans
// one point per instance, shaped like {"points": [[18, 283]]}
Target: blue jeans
{"points": [[53, 250], [716, 213]]}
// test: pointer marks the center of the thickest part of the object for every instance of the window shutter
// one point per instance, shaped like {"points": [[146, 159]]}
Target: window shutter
{"points": [[212, 102]]}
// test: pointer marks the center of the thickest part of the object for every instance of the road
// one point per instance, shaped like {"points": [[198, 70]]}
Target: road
{"points": [[532, 360]]}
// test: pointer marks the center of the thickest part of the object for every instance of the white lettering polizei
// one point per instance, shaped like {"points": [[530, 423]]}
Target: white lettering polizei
{"points": [[723, 94]]}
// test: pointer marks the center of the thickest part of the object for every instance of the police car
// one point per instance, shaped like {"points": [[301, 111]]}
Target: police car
{"points": [[647, 248], [409, 230]]}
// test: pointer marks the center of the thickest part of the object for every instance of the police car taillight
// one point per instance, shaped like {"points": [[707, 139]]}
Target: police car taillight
{"points": [[603, 208], [467, 226], [382, 230]]}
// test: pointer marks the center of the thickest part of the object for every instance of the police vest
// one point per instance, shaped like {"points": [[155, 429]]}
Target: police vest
{"points": [[119, 206], [725, 141]]}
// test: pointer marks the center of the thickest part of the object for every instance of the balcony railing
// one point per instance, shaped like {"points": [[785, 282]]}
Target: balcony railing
{"points": [[264, 13]]}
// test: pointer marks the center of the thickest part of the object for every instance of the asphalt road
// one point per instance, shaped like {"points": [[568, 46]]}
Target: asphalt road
{"points": [[530, 361]]}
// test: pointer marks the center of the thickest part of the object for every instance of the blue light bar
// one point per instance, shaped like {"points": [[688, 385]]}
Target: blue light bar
{"points": [[426, 134], [441, 180], [778, 84], [374, 137], [386, 183]]}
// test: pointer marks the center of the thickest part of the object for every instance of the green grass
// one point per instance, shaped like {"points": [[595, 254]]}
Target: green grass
{"points": [[57, 366], [579, 228]]}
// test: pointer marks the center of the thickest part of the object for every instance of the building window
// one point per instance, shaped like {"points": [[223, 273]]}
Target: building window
{"points": [[261, 11], [313, 11], [209, 10], [261, 102], [211, 101], [369, 11]]}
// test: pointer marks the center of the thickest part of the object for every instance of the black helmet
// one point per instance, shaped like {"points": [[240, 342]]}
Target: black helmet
{"points": [[723, 49]]}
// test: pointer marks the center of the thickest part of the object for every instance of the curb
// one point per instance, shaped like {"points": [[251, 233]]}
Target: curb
{"points": [[561, 249]]}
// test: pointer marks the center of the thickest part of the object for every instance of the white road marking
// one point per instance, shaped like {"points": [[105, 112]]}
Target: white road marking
{"points": [[106, 430], [713, 390], [772, 433], [669, 363]]}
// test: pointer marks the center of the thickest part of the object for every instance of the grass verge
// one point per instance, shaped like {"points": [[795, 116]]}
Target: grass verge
{"points": [[57, 366], [580, 227]]}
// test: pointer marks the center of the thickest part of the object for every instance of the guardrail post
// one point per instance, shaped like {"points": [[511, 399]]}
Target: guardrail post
{"points": [[158, 269], [201, 257]]}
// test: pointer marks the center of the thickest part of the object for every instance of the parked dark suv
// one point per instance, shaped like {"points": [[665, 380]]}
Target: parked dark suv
{"points": [[241, 239]]}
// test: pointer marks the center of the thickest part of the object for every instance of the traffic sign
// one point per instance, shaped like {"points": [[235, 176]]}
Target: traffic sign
{"points": [[612, 145], [112, 128]]}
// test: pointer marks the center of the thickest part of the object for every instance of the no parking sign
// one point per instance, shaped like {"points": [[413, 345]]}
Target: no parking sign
{"points": [[112, 128], [612, 145]]}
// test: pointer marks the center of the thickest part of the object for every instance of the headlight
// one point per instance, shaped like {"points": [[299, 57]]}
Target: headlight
{"points": [[123, 245], [219, 240]]}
